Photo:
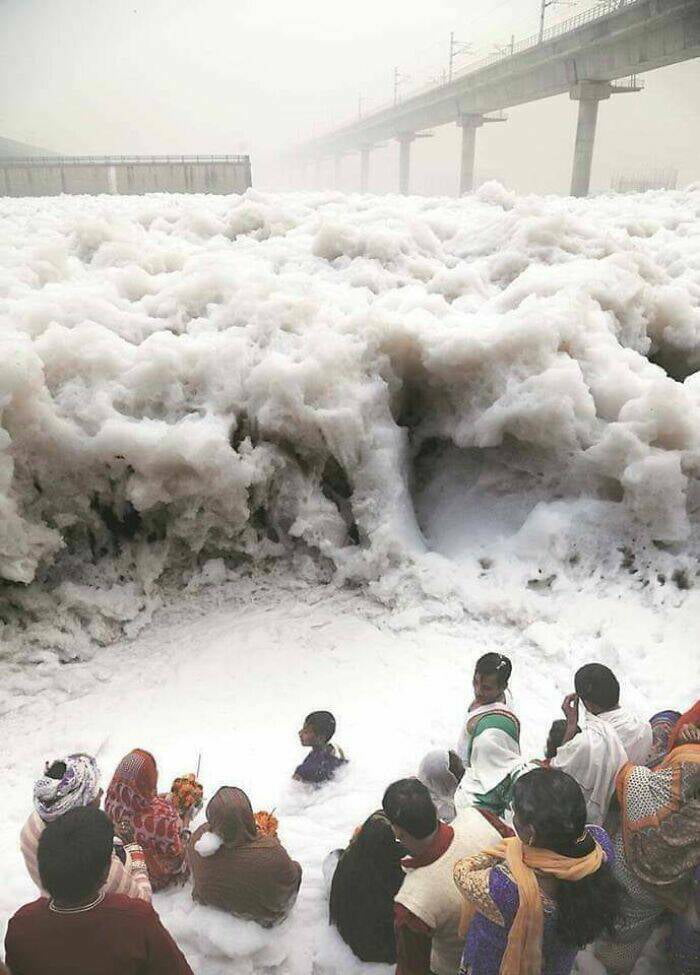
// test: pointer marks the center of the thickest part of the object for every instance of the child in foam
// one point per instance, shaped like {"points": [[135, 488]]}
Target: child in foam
{"points": [[325, 759]]}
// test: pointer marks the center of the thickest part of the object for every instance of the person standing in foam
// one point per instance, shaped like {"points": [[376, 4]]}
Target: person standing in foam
{"points": [[489, 742], [428, 905], [611, 737]]}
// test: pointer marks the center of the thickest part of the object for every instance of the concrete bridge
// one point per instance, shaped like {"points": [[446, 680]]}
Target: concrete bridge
{"points": [[584, 56]]}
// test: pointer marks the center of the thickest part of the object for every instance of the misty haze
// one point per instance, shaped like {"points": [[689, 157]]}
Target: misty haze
{"points": [[350, 487]]}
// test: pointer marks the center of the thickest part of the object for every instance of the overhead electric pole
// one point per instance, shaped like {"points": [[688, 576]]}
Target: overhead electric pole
{"points": [[552, 3], [506, 50], [398, 80], [456, 48]]}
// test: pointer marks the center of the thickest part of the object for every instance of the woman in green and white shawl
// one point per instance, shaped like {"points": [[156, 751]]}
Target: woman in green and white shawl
{"points": [[489, 744]]}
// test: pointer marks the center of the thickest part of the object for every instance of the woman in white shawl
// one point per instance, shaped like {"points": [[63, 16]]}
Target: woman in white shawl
{"points": [[441, 772], [489, 744]]}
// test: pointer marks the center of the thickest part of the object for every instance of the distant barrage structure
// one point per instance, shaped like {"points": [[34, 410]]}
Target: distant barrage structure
{"points": [[640, 182], [128, 175]]}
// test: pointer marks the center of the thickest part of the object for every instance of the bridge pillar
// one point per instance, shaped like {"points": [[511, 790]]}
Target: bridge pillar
{"points": [[317, 174], [337, 167], [405, 140], [469, 124], [588, 94], [364, 168]]}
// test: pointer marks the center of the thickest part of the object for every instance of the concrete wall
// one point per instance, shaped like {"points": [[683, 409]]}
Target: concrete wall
{"points": [[48, 177]]}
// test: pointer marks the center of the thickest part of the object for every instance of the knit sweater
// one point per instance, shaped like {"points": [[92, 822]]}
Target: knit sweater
{"points": [[115, 935], [129, 878], [430, 894]]}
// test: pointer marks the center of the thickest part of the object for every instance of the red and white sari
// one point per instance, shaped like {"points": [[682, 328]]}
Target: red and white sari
{"points": [[132, 796]]}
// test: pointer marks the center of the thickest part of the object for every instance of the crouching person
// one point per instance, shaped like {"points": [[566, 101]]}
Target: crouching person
{"points": [[238, 869], [428, 905], [79, 929]]}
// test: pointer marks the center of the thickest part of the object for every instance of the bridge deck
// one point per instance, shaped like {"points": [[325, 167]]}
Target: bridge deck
{"points": [[613, 40]]}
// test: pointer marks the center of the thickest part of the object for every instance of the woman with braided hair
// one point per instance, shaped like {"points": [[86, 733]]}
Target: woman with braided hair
{"points": [[489, 743]]}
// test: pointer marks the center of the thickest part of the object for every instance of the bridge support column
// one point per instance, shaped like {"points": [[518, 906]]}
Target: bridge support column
{"points": [[317, 174], [588, 94], [405, 140], [469, 124], [364, 168], [466, 166], [337, 167]]}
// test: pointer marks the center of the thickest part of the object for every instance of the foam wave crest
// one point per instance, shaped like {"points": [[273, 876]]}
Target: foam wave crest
{"points": [[342, 378]]}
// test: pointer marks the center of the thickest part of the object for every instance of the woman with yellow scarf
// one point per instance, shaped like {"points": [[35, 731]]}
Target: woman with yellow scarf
{"points": [[535, 900]]}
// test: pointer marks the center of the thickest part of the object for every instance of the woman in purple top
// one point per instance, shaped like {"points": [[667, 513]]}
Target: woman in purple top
{"points": [[550, 822]]}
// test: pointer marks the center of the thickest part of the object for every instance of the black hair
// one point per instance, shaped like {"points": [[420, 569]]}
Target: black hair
{"points": [[494, 663], [597, 683], [407, 803], [55, 770], [74, 853], [552, 803], [555, 738], [366, 880], [456, 765], [322, 723]]}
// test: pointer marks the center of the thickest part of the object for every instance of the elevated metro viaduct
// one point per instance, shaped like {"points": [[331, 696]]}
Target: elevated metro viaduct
{"points": [[617, 39]]}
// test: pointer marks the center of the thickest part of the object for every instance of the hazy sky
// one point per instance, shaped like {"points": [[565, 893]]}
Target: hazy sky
{"points": [[157, 76]]}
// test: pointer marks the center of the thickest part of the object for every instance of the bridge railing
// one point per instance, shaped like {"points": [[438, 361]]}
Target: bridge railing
{"points": [[600, 10]]}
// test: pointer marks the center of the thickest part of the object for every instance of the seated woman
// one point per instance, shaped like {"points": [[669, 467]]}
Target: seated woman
{"points": [[73, 782], [441, 772], [132, 797], [366, 880], [658, 852], [236, 868], [489, 744], [536, 899]]}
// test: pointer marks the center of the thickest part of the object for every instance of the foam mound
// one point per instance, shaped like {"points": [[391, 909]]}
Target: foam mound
{"points": [[188, 379]]}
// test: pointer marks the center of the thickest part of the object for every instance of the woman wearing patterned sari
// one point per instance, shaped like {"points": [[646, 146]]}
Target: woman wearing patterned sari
{"points": [[133, 797], [658, 853]]}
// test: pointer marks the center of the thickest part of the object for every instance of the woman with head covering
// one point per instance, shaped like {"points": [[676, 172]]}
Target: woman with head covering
{"points": [[366, 880], [533, 901], [662, 726], [236, 868], [441, 772], [658, 853], [70, 783], [132, 797]]}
